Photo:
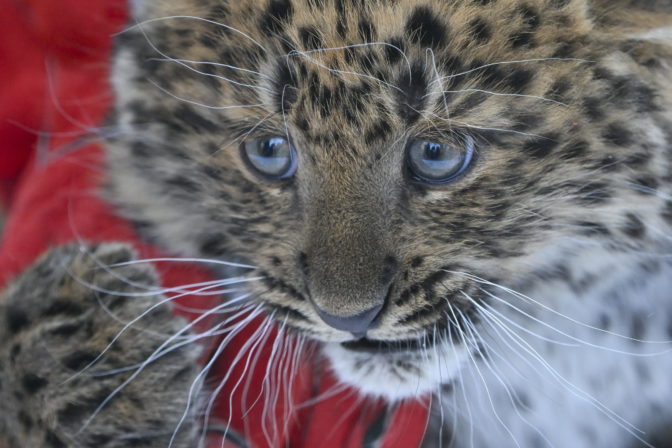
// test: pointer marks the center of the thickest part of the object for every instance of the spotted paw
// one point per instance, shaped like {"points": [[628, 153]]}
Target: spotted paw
{"points": [[85, 358]]}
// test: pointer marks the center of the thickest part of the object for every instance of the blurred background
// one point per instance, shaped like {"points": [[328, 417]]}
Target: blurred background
{"points": [[53, 69]]}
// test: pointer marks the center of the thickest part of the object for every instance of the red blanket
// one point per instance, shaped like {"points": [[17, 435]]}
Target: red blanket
{"points": [[53, 94]]}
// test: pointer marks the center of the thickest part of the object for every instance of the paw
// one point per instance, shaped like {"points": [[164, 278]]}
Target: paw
{"points": [[79, 360]]}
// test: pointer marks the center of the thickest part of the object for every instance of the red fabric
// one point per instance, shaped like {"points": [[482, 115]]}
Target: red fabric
{"points": [[55, 56]]}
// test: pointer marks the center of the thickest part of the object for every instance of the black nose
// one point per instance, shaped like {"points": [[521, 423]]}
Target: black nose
{"points": [[357, 324]]}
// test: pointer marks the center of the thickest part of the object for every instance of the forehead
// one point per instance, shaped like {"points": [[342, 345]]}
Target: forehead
{"points": [[340, 62]]}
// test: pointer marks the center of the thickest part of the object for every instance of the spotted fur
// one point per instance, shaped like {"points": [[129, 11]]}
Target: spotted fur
{"points": [[57, 320]]}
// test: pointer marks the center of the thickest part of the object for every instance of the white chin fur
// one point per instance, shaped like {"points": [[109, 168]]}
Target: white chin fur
{"points": [[396, 376]]}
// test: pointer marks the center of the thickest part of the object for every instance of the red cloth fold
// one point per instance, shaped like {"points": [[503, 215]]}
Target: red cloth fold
{"points": [[53, 94]]}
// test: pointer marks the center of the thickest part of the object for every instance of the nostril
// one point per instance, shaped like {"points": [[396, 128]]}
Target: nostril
{"points": [[390, 266], [357, 324]]}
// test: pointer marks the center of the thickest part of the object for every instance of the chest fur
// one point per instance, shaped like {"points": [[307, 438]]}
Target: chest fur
{"points": [[578, 360]]}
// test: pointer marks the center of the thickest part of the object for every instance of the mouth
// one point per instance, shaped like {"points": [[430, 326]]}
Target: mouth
{"points": [[381, 346]]}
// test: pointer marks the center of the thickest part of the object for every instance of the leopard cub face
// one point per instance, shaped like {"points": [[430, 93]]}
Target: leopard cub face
{"points": [[381, 163]]}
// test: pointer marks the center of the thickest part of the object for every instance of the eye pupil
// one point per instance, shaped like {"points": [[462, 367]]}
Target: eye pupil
{"points": [[432, 151], [269, 147]]}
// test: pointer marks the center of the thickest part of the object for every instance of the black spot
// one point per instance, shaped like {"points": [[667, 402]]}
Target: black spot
{"points": [[593, 228], [66, 329], [541, 147], [53, 441], [277, 12], [79, 360], [416, 262], [403, 298], [518, 80], [394, 54], [213, 244], [275, 261], [15, 351], [633, 226], [25, 420], [428, 283], [378, 132], [574, 150], [285, 94], [526, 121], [637, 160], [604, 322], [667, 212], [390, 266], [75, 412], [472, 101], [530, 16], [411, 98], [480, 30], [63, 307], [303, 125], [183, 183], [616, 134], [424, 27], [208, 40], [558, 89], [565, 50], [520, 39], [310, 38], [491, 75], [32, 383], [593, 108], [649, 184], [17, 319], [366, 30]]}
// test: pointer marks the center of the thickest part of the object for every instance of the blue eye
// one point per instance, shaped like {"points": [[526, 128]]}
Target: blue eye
{"points": [[273, 157], [437, 163]]}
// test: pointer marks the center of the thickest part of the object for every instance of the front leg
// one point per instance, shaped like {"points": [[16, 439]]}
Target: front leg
{"points": [[57, 318]]}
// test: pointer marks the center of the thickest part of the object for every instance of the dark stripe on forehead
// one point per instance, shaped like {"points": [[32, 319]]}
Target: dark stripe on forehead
{"points": [[411, 99], [285, 94]]}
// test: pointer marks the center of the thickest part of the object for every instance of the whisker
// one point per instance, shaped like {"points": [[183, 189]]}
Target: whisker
{"points": [[201, 19], [215, 64], [480, 374], [214, 358], [186, 340], [507, 387], [206, 106], [343, 72], [518, 95], [520, 61], [546, 307], [147, 362], [211, 75], [253, 340], [567, 385]]}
